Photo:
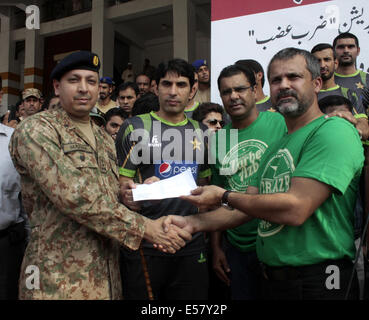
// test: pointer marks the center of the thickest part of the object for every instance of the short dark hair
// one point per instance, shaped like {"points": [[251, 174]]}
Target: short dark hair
{"points": [[204, 108], [334, 101], [179, 66], [235, 69], [323, 46], [312, 63], [115, 112], [46, 103], [129, 84], [13, 111], [145, 104], [345, 35], [19, 102], [144, 74], [254, 66]]}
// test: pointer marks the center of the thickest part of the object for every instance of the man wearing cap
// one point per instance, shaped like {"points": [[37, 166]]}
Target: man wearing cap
{"points": [[203, 92], [70, 184], [31, 101], [105, 103], [128, 74]]}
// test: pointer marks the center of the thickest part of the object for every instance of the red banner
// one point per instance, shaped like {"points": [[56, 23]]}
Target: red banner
{"points": [[225, 9]]}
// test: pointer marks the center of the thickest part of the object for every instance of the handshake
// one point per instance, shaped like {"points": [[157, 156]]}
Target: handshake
{"points": [[170, 233]]}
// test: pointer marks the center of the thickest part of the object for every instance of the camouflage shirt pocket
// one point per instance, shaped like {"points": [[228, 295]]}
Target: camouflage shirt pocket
{"points": [[81, 155]]}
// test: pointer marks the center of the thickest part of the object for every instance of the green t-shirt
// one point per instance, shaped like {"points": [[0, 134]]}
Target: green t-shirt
{"points": [[237, 154], [327, 150]]}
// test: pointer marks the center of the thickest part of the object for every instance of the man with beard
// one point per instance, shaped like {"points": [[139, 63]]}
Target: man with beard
{"points": [[303, 194], [328, 62], [31, 101], [346, 47], [143, 82], [327, 59], [203, 92], [105, 103]]}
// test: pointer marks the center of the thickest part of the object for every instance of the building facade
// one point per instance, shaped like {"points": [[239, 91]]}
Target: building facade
{"points": [[119, 31]]}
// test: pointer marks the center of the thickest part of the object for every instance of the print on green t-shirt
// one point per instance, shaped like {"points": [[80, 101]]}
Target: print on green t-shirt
{"points": [[237, 154], [326, 150]]}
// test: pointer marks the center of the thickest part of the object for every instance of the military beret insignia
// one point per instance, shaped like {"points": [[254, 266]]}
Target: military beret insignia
{"points": [[83, 60], [96, 61]]}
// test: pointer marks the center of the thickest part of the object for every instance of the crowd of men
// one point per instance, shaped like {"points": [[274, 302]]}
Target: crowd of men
{"points": [[279, 212]]}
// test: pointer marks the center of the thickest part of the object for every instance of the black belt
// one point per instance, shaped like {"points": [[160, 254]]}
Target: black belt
{"points": [[16, 230], [294, 273]]}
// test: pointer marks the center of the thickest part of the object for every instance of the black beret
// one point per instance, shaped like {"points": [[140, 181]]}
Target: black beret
{"points": [[84, 60]]}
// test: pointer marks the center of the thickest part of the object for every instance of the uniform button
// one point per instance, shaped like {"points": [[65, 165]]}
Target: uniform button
{"points": [[82, 157]]}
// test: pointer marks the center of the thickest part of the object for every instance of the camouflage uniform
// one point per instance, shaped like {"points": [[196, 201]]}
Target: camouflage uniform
{"points": [[71, 195]]}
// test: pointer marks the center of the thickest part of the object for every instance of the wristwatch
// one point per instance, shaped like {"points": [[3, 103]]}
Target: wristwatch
{"points": [[224, 202]]}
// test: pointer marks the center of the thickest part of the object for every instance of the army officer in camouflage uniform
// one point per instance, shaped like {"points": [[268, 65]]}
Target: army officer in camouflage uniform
{"points": [[70, 185]]}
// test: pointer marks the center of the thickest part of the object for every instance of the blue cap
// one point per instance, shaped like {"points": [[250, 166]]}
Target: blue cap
{"points": [[107, 80], [199, 63], [84, 60]]}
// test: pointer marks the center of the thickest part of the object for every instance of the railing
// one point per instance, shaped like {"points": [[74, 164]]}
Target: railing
{"points": [[57, 9], [116, 2]]}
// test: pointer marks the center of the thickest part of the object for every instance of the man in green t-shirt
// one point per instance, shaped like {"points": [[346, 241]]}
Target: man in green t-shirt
{"points": [[263, 102], [304, 191], [237, 151]]}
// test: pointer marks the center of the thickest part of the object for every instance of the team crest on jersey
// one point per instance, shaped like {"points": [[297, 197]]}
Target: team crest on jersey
{"points": [[359, 85], [154, 142], [276, 178], [196, 144]]}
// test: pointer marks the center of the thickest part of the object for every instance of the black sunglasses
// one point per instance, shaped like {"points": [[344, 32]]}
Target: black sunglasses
{"points": [[213, 122]]}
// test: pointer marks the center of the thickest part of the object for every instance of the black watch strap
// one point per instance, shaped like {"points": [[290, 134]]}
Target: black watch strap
{"points": [[224, 201]]}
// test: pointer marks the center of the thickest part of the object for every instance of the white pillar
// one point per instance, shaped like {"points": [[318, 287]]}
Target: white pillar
{"points": [[184, 30], [102, 42]]}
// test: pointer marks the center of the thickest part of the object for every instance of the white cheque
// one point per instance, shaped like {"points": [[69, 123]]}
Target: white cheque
{"points": [[179, 185]]}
